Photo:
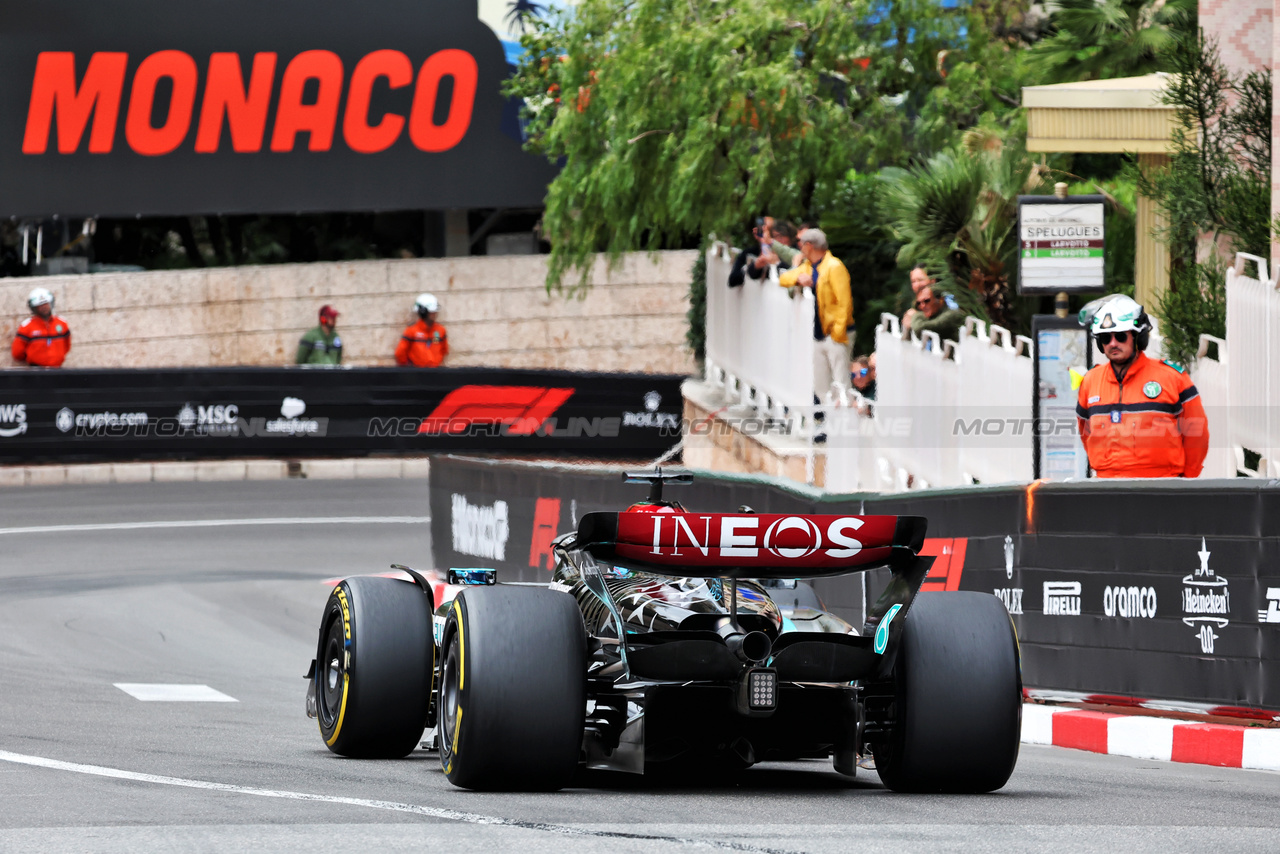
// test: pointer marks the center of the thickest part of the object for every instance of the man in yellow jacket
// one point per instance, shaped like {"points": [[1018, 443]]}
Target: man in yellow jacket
{"points": [[833, 311]]}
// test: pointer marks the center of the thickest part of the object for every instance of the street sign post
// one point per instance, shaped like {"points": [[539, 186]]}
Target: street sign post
{"points": [[1061, 244]]}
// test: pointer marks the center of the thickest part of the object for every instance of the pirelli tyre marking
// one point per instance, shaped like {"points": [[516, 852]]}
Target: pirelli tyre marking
{"points": [[341, 595]]}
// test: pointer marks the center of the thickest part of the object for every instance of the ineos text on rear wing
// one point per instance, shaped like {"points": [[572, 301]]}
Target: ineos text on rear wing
{"points": [[750, 545]]}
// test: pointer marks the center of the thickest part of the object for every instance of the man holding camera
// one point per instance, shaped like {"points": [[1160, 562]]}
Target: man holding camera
{"points": [[1137, 417]]}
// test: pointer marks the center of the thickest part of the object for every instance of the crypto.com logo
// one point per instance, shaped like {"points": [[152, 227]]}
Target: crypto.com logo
{"points": [[522, 409]]}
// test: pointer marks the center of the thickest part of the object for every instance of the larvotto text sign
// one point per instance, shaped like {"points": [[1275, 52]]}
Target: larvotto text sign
{"points": [[232, 106], [1061, 244]]}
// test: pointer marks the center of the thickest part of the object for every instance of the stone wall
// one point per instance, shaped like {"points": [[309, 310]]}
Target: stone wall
{"points": [[497, 311]]}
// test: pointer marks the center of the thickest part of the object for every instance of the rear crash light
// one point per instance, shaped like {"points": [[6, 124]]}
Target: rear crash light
{"points": [[758, 691]]}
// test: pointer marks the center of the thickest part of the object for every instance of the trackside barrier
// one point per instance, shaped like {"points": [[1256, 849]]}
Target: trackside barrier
{"points": [[207, 413]]}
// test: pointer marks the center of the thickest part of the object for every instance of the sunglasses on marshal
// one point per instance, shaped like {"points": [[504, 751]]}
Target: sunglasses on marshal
{"points": [[1104, 338]]}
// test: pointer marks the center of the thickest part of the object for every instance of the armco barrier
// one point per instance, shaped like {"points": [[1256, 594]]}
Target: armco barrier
{"points": [[1158, 589], [71, 415]]}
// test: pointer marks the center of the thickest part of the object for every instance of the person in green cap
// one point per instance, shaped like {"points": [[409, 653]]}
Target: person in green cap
{"points": [[321, 345]]}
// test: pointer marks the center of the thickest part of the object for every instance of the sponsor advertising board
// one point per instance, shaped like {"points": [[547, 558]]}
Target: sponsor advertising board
{"points": [[80, 415], [155, 108], [1147, 589]]}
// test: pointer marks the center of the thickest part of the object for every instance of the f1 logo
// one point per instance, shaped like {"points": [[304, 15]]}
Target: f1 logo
{"points": [[523, 409], [546, 519], [948, 564]]}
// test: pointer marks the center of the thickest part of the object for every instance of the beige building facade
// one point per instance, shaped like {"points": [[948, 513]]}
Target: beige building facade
{"points": [[1248, 37]]}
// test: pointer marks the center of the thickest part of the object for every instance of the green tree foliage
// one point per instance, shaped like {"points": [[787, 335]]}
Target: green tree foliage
{"points": [[1216, 190], [676, 118], [1100, 39], [696, 335], [958, 213]]}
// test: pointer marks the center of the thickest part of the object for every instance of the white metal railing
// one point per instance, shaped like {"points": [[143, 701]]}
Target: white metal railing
{"points": [[1213, 381], [760, 344], [996, 376], [760, 340], [927, 387], [1241, 388]]}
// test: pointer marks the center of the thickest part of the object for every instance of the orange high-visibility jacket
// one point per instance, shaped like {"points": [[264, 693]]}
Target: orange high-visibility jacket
{"points": [[423, 346], [1150, 425], [44, 343]]}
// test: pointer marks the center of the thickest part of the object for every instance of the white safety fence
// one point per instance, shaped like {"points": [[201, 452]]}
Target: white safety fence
{"points": [[929, 391], [760, 341], [1241, 387]]}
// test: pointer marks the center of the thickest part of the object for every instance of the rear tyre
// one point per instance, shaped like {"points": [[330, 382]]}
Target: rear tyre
{"points": [[512, 693], [374, 668], [957, 690]]}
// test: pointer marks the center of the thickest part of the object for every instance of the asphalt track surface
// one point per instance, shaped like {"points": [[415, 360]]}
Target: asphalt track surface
{"points": [[109, 584]]}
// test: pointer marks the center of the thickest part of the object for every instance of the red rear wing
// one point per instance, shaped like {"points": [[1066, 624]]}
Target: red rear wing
{"points": [[754, 545]]}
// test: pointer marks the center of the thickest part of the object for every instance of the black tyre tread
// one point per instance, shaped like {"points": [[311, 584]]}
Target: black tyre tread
{"points": [[524, 689], [392, 655], [958, 683]]}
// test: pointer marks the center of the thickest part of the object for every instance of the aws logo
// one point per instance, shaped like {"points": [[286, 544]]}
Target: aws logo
{"points": [[162, 108]]}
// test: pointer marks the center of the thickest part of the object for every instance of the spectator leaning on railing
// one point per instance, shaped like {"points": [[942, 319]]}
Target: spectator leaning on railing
{"points": [[832, 310], [920, 279], [781, 248], [932, 315], [775, 247]]}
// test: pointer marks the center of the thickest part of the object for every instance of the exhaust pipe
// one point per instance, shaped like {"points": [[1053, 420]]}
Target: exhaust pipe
{"points": [[752, 647]]}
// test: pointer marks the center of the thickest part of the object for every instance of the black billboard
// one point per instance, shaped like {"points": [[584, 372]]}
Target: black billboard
{"points": [[153, 107], [81, 415], [1166, 590]]}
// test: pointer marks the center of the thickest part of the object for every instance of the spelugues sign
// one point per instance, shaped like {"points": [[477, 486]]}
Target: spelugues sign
{"points": [[152, 107]]}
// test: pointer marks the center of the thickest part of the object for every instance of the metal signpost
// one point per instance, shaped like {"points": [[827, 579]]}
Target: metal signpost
{"points": [[1061, 251], [1062, 355]]}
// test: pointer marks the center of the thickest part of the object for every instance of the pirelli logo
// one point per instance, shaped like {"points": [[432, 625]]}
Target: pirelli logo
{"points": [[175, 100]]}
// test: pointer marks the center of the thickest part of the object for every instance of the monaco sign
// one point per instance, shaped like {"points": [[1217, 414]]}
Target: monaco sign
{"points": [[233, 106]]}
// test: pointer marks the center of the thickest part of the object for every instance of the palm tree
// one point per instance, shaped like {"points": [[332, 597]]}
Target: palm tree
{"points": [[959, 212], [1100, 39], [520, 11]]}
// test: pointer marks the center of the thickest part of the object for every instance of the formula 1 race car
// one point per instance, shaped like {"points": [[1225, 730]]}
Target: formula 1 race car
{"points": [[660, 641]]}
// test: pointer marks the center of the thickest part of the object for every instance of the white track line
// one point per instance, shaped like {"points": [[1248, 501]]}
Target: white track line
{"points": [[160, 692], [221, 523], [393, 806]]}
